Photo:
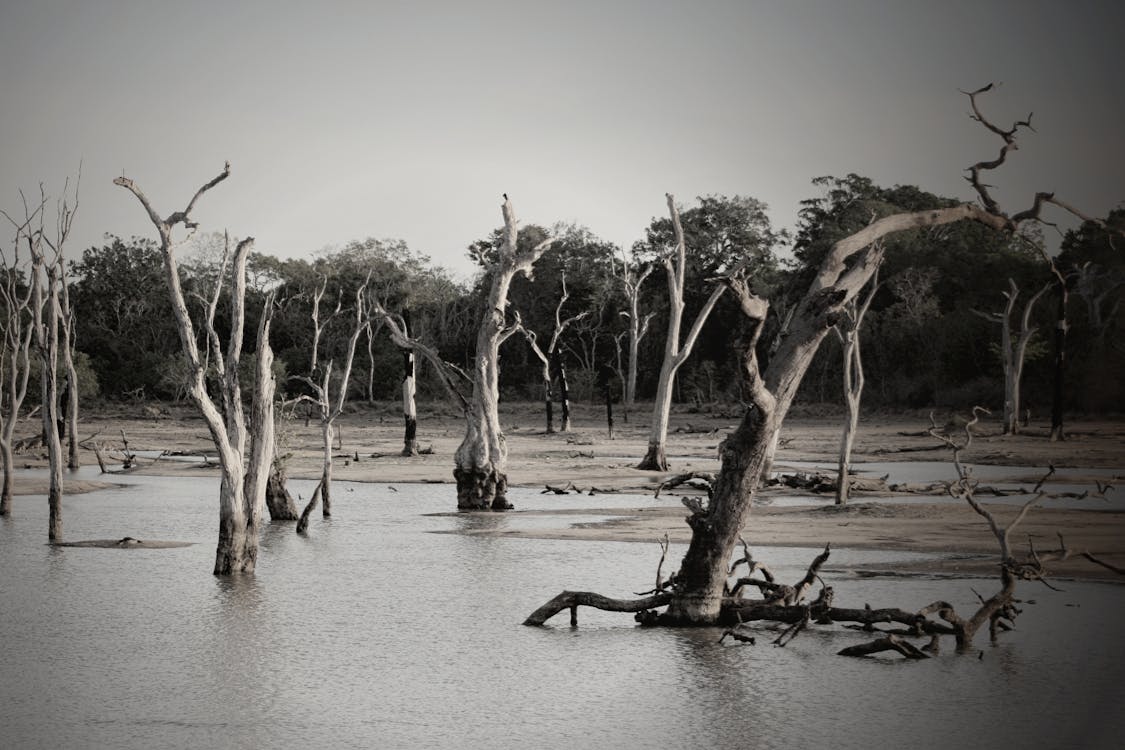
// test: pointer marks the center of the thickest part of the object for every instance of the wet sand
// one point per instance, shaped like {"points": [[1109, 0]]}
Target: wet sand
{"points": [[587, 459]]}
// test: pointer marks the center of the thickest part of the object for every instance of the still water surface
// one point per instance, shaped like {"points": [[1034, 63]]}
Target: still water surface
{"points": [[375, 632]]}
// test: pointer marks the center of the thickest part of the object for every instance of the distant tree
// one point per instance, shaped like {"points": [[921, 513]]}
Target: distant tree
{"points": [[1013, 350], [552, 363], [725, 235], [848, 331], [319, 380], [631, 280], [15, 347]]}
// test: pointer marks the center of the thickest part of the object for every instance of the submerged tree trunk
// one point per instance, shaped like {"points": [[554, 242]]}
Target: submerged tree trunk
{"points": [[15, 365], [239, 512], [326, 471], [278, 500], [6, 487], [480, 460]]}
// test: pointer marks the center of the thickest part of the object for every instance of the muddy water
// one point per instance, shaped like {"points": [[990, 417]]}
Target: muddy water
{"points": [[375, 632]]}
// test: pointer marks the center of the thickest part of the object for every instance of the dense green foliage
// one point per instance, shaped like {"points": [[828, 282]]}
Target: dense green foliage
{"points": [[924, 343]]}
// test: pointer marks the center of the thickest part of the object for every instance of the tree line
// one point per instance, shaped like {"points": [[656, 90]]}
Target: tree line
{"points": [[926, 341]]}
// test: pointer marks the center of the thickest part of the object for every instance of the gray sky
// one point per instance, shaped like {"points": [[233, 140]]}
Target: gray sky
{"points": [[344, 120]]}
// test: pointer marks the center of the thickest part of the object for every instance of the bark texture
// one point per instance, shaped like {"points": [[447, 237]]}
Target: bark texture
{"points": [[239, 521], [481, 458]]}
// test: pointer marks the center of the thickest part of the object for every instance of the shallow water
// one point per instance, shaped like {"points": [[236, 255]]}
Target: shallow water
{"points": [[372, 631], [1019, 480]]}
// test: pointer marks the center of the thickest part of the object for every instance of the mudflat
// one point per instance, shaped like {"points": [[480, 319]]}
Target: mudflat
{"points": [[587, 460]]}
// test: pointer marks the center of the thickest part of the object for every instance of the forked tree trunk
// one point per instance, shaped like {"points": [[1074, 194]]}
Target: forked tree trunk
{"points": [[698, 598], [1013, 349], [848, 331], [479, 462], [239, 511], [675, 352], [638, 327], [45, 314], [329, 411], [552, 364], [17, 334]]}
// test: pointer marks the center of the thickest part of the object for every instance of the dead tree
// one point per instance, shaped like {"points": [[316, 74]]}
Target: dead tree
{"points": [[44, 279], [15, 348], [675, 351], [631, 282], [1013, 350], [67, 332], [847, 330], [700, 594], [786, 603], [552, 362], [449, 374], [481, 459], [242, 486], [409, 391], [329, 411]]}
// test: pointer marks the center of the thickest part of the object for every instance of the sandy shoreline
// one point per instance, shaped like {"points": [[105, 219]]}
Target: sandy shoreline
{"points": [[587, 459]]}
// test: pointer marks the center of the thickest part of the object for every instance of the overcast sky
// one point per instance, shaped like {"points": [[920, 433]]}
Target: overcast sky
{"points": [[344, 120]]}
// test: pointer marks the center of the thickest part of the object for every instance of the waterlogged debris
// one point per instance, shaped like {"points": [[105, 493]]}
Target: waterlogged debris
{"points": [[127, 542]]}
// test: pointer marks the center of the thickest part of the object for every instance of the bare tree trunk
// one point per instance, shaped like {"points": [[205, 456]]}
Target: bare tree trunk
{"points": [[237, 548], [480, 460], [67, 343], [6, 488], [848, 330], [631, 285], [853, 379], [278, 500], [1013, 351], [46, 276], [326, 471], [675, 352], [329, 411], [15, 364], [409, 408], [370, 365], [564, 392]]}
